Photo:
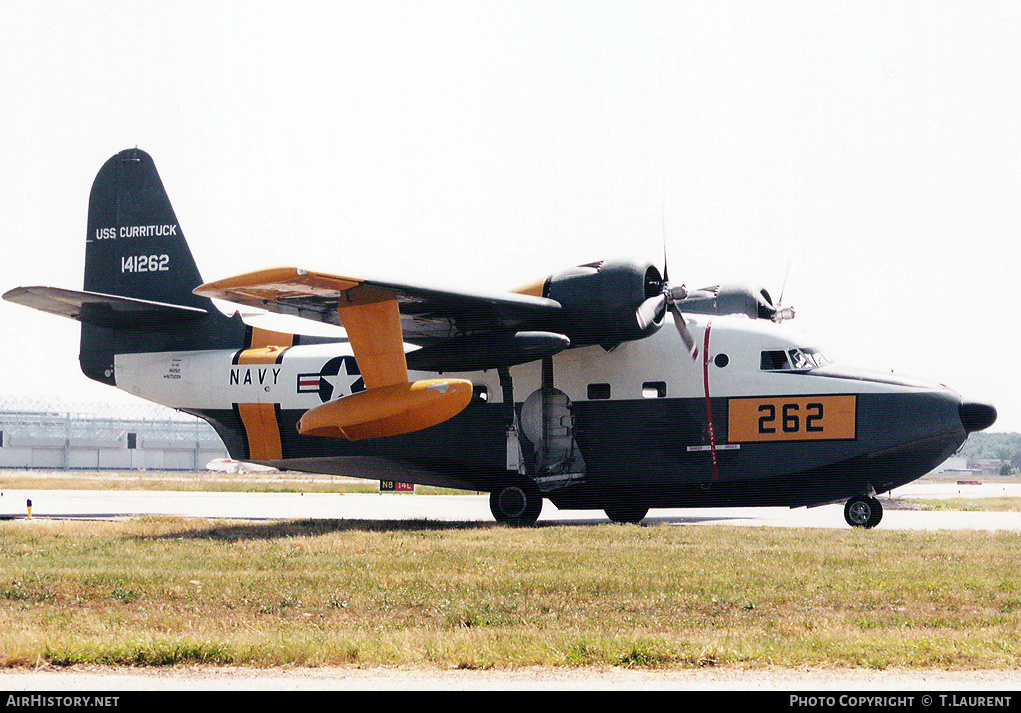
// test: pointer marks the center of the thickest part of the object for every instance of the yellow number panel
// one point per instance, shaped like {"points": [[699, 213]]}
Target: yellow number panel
{"points": [[792, 418]]}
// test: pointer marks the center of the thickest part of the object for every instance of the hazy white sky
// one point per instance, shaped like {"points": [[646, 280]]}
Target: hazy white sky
{"points": [[873, 147]]}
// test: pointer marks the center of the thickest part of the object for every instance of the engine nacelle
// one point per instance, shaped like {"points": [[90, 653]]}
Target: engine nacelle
{"points": [[750, 300], [600, 300]]}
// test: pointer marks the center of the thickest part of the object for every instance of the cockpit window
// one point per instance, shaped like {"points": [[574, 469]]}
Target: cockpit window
{"points": [[807, 358], [774, 361], [792, 360]]}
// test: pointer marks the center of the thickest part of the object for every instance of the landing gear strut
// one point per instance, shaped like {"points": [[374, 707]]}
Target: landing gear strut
{"points": [[518, 503], [863, 511]]}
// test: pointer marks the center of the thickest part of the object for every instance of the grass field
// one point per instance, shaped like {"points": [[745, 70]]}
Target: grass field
{"points": [[1006, 504], [171, 591], [161, 591]]}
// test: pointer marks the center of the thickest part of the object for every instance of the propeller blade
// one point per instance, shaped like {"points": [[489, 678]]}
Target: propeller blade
{"points": [[781, 313], [682, 329], [783, 287], [662, 218], [669, 300], [651, 311]]}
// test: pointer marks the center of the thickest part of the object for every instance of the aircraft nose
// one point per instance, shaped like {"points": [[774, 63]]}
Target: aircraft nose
{"points": [[976, 416]]}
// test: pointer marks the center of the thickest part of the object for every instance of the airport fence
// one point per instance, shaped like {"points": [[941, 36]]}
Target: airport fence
{"points": [[41, 433]]}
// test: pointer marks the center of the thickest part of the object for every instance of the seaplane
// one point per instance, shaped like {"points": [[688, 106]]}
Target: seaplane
{"points": [[571, 389]]}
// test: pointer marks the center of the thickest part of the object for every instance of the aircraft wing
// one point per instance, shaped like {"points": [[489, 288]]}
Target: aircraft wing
{"points": [[428, 316]]}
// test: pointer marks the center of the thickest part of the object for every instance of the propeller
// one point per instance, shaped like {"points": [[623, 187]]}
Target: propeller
{"points": [[652, 310], [781, 313]]}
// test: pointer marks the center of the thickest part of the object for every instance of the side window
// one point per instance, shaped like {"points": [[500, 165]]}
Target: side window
{"points": [[480, 392], [599, 391], [774, 361], [654, 389]]}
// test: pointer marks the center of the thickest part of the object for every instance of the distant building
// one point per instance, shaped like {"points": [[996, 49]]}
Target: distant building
{"points": [[970, 466], [954, 465], [38, 434], [985, 466]]}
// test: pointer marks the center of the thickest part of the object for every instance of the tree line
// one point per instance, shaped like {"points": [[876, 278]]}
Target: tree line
{"points": [[1005, 447]]}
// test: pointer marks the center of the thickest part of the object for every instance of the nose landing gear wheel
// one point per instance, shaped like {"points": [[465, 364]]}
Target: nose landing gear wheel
{"points": [[863, 512], [516, 504]]}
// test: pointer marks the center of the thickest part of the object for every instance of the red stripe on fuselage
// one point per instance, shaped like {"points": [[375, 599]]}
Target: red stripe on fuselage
{"points": [[708, 403]]}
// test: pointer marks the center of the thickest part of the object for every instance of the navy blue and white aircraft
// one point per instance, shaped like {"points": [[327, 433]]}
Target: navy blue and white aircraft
{"points": [[568, 389]]}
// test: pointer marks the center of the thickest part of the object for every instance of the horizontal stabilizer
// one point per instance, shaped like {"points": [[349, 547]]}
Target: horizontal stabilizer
{"points": [[103, 310]]}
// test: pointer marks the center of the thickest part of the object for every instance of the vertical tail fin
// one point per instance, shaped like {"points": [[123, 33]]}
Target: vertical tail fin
{"points": [[135, 248]]}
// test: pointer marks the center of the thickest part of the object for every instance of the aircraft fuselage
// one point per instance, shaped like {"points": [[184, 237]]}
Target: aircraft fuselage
{"points": [[757, 418]]}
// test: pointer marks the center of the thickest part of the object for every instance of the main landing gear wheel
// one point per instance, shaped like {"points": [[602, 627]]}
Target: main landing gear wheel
{"points": [[863, 512], [516, 504], [626, 514]]}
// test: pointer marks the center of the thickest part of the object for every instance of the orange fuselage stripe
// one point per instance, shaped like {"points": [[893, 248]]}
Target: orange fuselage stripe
{"points": [[259, 419], [269, 338], [263, 431]]}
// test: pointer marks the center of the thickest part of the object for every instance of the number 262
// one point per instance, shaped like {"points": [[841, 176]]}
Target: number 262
{"points": [[790, 420]]}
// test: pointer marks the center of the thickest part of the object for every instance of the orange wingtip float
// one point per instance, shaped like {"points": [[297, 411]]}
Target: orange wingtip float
{"points": [[388, 410]]}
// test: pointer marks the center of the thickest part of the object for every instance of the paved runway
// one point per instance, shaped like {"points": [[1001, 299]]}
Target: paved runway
{"points": [[475, 508]]}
